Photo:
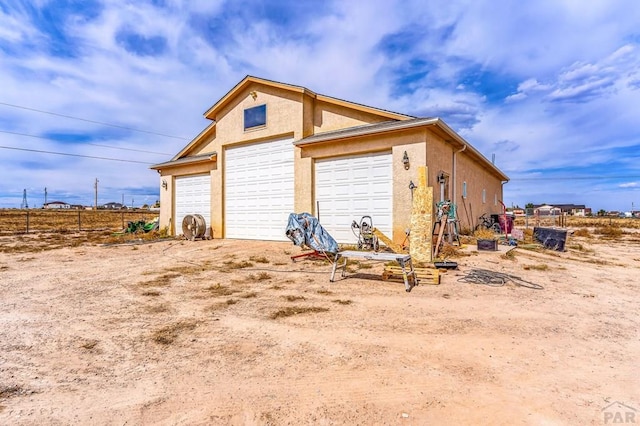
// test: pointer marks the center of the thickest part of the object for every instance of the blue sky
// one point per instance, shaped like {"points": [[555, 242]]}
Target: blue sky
{"points": [[550, 87]]}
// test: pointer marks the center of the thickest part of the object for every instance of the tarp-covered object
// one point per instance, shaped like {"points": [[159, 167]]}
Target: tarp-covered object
{"points": [[305, 230], [141, 225], [554, 239]]}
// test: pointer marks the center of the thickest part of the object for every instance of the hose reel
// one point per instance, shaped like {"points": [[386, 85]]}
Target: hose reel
{"points": [[193, 226]]}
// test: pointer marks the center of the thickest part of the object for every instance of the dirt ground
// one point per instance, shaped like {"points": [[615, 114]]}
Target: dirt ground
{"points": [[234, 332]]}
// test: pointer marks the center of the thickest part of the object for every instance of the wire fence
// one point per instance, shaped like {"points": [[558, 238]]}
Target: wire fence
{"points": [[25, 221]]}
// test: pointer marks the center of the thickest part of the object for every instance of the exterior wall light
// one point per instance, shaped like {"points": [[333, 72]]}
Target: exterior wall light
{"points": [[254, 94], [405, 161], [164, 183]]}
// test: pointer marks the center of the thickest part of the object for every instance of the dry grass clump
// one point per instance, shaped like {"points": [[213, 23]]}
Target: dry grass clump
{"points": [[191, 268], [450, 251], [249, 295], [538, 267], [590, 222], [509, 255], [296, 310], [292, 298], [465, 230], [232, 264], [160, 281], [89, 344], [324, 292], [9, 391], [609, 231], [276, 287], [484, 234], [580, 248], [259, 259], [262, 276], [220, 290], [582, 232], [157, 309], [168, 334], [151, 293], [343, 301]]}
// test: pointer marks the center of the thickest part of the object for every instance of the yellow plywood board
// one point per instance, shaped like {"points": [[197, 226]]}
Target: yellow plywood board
{"points": [[396, 248], [424, 275], [420, 242]]}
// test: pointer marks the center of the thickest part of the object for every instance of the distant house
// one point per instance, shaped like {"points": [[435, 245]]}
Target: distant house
{"points": [[558, 209], [574, 209], [113, 206], [56, 205], [546, 210]]}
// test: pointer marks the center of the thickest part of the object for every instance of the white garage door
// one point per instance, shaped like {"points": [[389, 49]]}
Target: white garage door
{"points": [[259, 190], [348, 188], [193, 196]]}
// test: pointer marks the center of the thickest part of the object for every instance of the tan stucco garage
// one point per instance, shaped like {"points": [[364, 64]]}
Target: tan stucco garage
{"points": [[274, 149]]}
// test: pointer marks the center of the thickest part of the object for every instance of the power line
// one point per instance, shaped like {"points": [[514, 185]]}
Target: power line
{"points": [[601, 177], [93, 121], [84, 143], [74, 155]]}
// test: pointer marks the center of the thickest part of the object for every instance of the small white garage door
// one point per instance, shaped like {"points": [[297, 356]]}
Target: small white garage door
{"points": [[348, 188], [259, 190], [193, 196]]}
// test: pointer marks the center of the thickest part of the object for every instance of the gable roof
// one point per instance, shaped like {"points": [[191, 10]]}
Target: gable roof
{"points": [[211, 112], [194, 159], [395, 126]]}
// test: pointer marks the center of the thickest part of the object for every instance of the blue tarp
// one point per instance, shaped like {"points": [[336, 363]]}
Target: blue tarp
{"points": [[305, 230]]}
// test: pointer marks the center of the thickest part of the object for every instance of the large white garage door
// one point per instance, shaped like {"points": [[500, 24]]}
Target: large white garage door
{"points": [[348, 188], [193, 196], [259, 190]]}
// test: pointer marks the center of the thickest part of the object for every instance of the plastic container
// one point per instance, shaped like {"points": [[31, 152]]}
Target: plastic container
{"points": [[487, 245], [506, 223]]}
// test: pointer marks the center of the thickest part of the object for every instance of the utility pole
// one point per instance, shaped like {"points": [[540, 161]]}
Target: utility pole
{"points": [[45, 195], [95, 185], [24, 204]]}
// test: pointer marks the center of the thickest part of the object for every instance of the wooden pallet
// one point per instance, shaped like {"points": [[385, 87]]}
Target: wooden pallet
{"points": [[424, 275]]}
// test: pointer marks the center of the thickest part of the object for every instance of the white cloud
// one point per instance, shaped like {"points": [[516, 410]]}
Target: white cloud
{"points": [[545, 51]]}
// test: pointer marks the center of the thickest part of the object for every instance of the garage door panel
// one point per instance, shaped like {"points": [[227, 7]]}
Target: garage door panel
{"points": [[192, 196], [259, 190], [348, 188]]}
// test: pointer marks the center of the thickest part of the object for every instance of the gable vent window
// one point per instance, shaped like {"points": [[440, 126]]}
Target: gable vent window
{"points": [[255, 117], [464, 189], [484, 196]]}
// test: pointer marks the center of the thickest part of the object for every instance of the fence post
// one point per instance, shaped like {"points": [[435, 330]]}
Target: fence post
{"points": [[79, 223], [27, 221], [122, 215]]}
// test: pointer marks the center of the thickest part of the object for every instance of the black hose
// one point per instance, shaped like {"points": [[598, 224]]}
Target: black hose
{"points": [[496, 279]]}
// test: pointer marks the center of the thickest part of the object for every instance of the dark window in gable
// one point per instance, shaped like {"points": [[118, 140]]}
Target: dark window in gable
{"points": [[255, 117]]}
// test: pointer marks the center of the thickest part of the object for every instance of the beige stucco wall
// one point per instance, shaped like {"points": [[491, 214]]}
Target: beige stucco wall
{"points": [[402, 178], [477, 179], [167, 211], [328, 117]]}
